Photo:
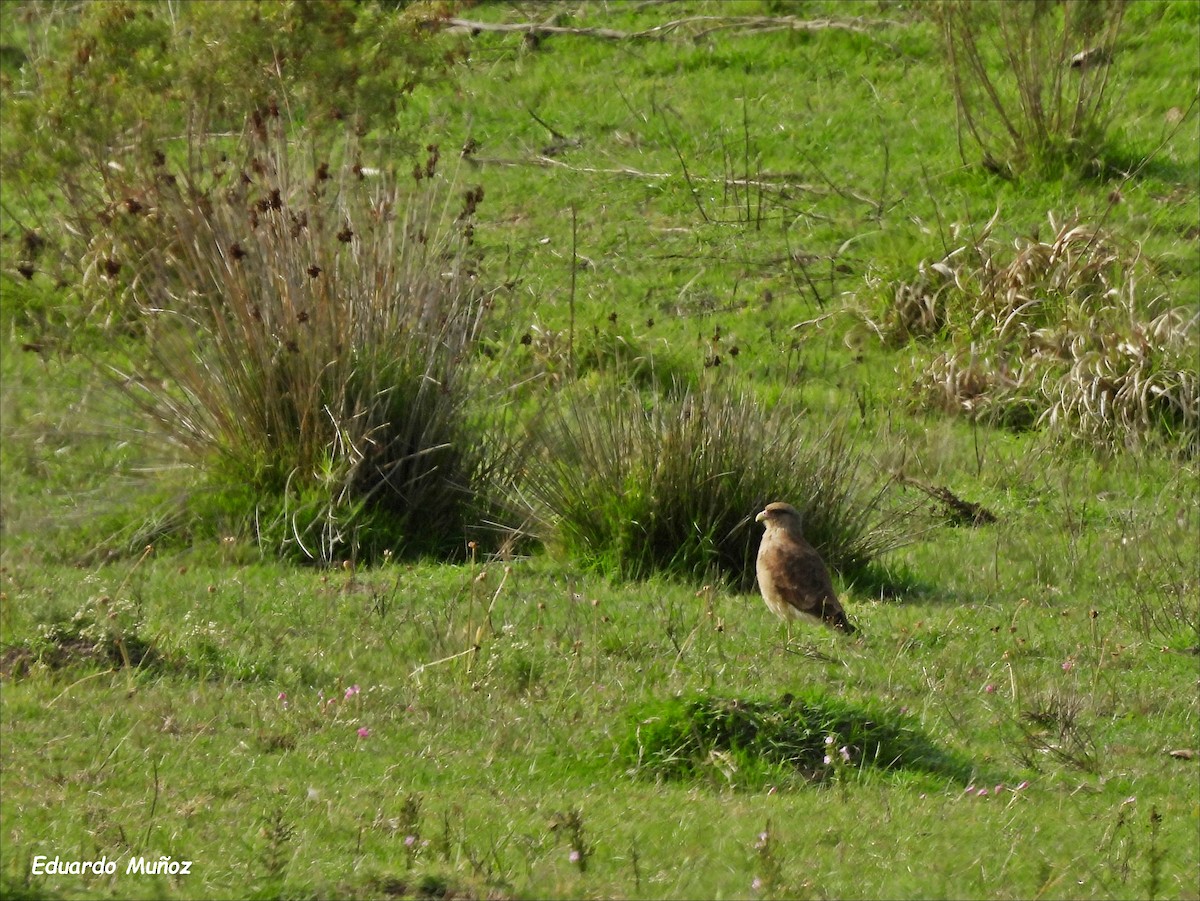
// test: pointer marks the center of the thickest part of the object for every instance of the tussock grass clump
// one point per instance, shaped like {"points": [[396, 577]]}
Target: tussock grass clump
{"points": [[110, 631], [1055, 332], [634, 486], [434, 887], [750, 741], [311, 327], [1054, 722], [1030, 79], [104, 632]]}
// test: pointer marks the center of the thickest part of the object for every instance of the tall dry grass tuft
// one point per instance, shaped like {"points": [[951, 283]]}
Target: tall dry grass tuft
{"points": [[310, 326], [1055, 333], [633, 486], [1031, 79]]}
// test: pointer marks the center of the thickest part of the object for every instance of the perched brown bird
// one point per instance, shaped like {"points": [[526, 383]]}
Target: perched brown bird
{"points": [[792, 576]]}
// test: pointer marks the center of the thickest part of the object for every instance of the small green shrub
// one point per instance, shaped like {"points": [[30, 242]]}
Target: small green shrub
{"points": [[99, 78], [752, 741], [633, 487], [1031, 79]]}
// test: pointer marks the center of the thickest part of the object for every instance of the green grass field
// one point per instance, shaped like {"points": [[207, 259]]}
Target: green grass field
{"points": [[714, 206]]}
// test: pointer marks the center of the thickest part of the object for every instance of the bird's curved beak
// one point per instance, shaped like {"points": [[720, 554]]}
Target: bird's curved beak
{"points": [[761, 516]]}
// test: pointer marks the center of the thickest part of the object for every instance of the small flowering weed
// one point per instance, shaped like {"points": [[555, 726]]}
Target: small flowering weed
{"points": [[343, 707], [570, 824], [769, 871], [410, 827], [837, 762]]}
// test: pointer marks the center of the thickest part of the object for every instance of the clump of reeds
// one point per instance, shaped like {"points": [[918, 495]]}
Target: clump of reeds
{"points": [[310, 325]]}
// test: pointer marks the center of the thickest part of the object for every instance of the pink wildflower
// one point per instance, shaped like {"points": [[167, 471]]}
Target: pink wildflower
{"points": [[363, 732]]}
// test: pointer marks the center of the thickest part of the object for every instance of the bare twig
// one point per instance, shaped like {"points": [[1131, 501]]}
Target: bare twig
{"points": [[844, 193], [798, 260], [550, 128], [416, 674], [571, 298], [153, 808], [695, 192], [561, 141]]}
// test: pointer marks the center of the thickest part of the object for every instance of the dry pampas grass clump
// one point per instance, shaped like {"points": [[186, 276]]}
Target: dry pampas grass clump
{"points": [[1056, 333]]}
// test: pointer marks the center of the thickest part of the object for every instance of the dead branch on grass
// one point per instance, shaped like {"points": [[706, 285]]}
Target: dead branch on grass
{"points": [[547, 162], [766, 180], [742, 24], [958, 510]]}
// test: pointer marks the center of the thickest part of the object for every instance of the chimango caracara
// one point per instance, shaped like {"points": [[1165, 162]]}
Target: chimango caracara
{"points": [[792, 576]]}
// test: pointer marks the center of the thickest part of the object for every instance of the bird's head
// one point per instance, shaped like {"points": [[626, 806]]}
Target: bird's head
{"points": [[781, 515]]}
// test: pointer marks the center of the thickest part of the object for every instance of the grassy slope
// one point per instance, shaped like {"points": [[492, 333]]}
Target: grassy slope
{"points": [[195, 757]]}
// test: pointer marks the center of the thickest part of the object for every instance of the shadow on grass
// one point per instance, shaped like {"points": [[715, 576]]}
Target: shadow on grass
{"points": [[898, 584], [434, 887], [753, 743], [892, 583]]}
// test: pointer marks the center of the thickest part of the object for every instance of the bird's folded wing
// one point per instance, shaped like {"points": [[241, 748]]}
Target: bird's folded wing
{"points": [[799, 574]]}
